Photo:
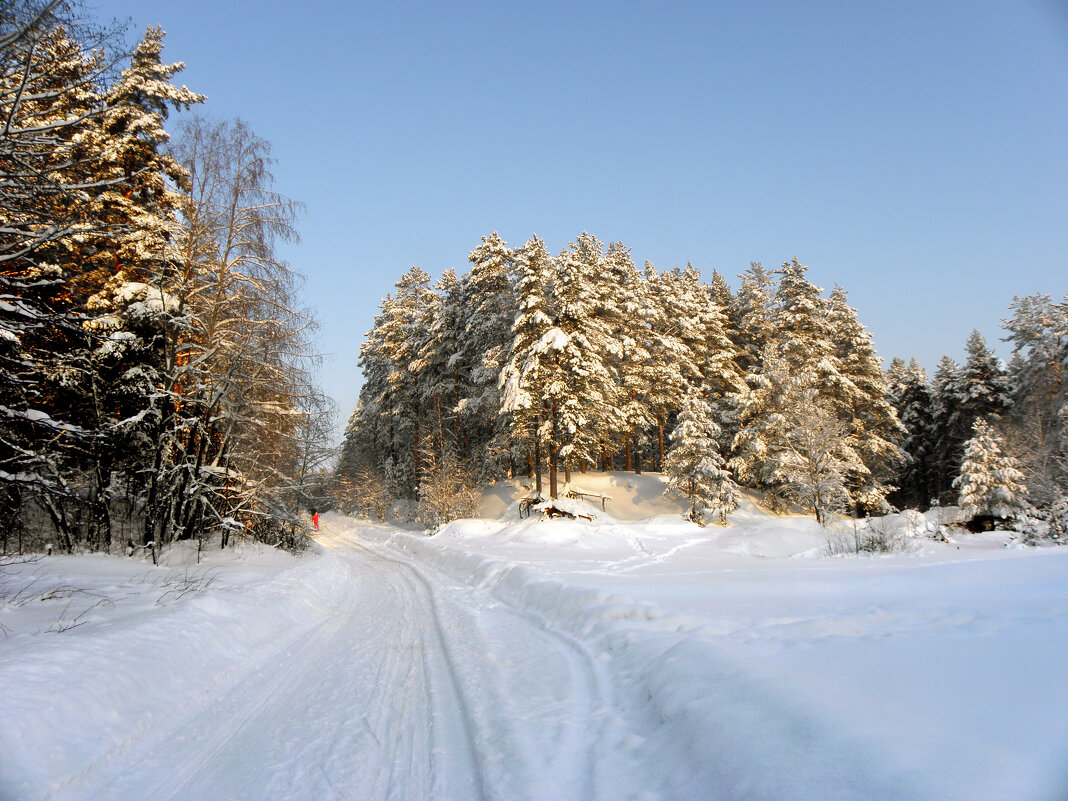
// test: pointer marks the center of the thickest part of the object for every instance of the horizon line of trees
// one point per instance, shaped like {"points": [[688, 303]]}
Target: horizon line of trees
{"points": [[154, 362], [534, 363]]}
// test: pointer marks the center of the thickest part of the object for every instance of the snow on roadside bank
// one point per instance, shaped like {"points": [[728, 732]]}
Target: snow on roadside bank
{"points": [[933, 674], [142, 655]]}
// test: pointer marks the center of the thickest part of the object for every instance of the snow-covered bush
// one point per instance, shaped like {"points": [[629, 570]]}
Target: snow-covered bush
{"points": [[1046, 525], [1058, 521], [1032, 529], [446, 493], [889, 534]]}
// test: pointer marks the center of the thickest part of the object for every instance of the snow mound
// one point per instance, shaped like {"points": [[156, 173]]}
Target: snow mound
{"points": [[628, 496]]}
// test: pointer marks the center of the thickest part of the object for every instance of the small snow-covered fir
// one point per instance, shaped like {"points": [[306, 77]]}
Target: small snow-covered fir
{"points": [[695, 467], [990, 482]]}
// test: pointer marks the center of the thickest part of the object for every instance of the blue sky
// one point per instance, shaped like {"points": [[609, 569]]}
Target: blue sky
{"points": [[914, 152]]}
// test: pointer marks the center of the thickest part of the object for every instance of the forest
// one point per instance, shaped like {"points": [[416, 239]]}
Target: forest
{"points": [[157, 369], [155, 364], [533, 364]]}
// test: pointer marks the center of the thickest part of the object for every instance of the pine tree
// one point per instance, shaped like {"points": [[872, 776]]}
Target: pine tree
{"points": [[442, 384], [584, 390], [522, 381], [961, 396], [948, 445], [750, 316], [489, 309], [131, 258], [910, 395], [1038, 330], [802, 326], [633, 362], [694, 466], [89, 217], [984, 386], [859, 394], [990, 484]]}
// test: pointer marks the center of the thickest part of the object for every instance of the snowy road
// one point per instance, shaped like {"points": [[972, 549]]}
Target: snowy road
{"points": [[405, 685], [539, 661]]}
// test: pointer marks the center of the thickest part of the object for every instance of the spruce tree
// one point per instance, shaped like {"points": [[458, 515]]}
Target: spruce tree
{"points": [[694, 466], [523, 381], [910, 394], [984, 386], [585, 389], [632, 360], [990, 483], [948, 444], [750, 316], [859, 395], [489, 309]]}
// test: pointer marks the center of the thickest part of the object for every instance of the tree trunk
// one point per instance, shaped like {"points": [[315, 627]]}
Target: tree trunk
{"points": [[660, 439], [552, 472], [537, 462], [626, 453], [553, 448]]}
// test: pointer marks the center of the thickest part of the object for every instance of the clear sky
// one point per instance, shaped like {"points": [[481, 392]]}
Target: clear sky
{"points": [[914, 152]]}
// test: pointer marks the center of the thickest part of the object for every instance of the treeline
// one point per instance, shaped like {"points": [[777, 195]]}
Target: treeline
{"points": [[154, 376], [582, 360], [1022, 408], [534, 363]]}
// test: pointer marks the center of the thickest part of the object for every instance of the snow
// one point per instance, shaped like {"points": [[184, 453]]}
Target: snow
{"points": [[632, 656]]}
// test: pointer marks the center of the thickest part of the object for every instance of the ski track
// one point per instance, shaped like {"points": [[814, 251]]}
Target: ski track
{"points": [[415, 686]]}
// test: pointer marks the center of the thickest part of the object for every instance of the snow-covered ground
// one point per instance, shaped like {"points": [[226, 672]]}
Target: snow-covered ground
{"points": [[624, 657]]}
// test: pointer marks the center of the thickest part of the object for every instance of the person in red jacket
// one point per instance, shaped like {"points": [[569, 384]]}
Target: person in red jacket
{"points": [[315, 519]]}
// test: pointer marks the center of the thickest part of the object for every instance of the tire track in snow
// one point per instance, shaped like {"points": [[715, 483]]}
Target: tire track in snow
{"points": [[565, 766], [403, 684]]}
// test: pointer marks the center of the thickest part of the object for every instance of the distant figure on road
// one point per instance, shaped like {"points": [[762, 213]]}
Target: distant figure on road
{"points": [[315, 519]]}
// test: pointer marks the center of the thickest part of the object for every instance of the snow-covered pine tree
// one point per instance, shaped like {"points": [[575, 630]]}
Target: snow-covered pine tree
{"points": [[798, 359], [694, 349], [948, 445], [859, 396], [88, 215], [750, 316], [1038, 329], [990, 483], [694, 465], [489, 309], [48, 95], [630, 315], [132, 257], [984, 386], [442, 382], [402, 329], [791, 443], [585, 390], [910, 395], [962, 395], [717, 359], [522, 380], [801, 326], [796, 439], [721, 292]]}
